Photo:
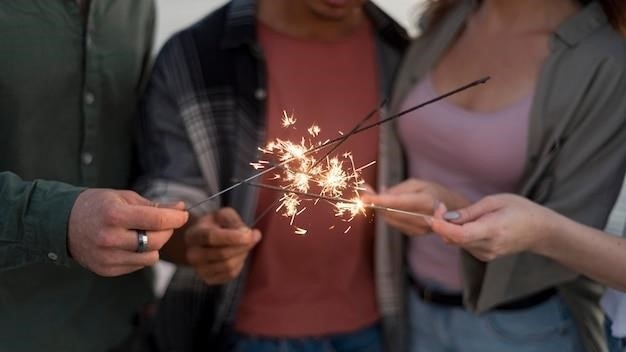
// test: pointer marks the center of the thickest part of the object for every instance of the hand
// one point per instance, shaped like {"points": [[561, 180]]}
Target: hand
{"points": [[415, 196], [102, 236], [218, 245], [496, 226]]}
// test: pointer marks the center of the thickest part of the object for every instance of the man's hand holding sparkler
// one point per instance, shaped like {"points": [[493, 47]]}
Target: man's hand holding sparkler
{"points": [[416, 196], [218, 245], [113, 232]]}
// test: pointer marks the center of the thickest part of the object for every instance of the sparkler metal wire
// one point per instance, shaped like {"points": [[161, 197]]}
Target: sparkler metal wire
{"points": [[341, 139], [335, 200]]}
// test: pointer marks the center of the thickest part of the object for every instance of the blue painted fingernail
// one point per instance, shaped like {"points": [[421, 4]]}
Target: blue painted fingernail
{"points": [[451, 215]]}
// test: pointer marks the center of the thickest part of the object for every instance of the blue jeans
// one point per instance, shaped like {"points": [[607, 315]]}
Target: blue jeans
{"points": [[615, 344], [546, 327], [364, 340]]}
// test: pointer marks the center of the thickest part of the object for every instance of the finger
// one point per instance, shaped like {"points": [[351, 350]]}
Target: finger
{"points": [[408, 186], [112, 271], [129, 240], [440, 209], [198, 254], [175, 205], [482, 254], [367, 189], [419, 202], [229, 218], [147, 217], [216, 236], [467, 235], [451, 232], [415, 226], [116, 258], [135, 199], [472, 212], [219, 273]]}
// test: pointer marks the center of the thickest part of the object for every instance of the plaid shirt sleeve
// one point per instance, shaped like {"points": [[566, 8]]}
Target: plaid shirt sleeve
{"points": [[170, 166]]}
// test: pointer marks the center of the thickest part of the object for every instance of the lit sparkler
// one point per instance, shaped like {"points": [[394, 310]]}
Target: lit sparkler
{"points": [[300, 173], [287, 121], [342, 205]]}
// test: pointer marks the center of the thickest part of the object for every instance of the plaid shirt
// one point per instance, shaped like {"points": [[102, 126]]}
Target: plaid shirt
{"points": [[202, 120]]}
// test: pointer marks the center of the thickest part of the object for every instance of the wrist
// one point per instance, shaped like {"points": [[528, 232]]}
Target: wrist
{"points": [[548, 235]]}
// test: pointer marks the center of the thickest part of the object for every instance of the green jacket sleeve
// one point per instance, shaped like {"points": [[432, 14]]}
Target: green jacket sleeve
{"points": [[33, 221]]}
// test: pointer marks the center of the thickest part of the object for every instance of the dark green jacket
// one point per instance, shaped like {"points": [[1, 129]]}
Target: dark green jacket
{"points": [[68, 91]]}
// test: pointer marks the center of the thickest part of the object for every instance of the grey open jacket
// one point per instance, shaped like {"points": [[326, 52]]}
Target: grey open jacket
{"points": [[576, 155]]}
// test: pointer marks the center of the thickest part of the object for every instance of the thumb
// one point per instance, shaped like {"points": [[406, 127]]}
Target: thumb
{"points": [[180, 205], [472, 212]]}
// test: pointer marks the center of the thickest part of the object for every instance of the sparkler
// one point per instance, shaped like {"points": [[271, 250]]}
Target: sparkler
{"points": [[341, 139], [354, 206], [301, 173]]}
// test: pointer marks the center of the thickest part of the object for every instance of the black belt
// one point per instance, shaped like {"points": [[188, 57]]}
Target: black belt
{"points": [[456, 300]]}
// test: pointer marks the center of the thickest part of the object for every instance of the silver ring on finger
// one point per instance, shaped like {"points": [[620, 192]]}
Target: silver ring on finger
{"points": [[142, 241]]}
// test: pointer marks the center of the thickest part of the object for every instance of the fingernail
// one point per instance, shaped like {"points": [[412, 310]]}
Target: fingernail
{"points": [[451, 215]]}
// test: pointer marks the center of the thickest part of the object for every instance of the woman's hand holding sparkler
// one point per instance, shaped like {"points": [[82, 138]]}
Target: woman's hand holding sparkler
{"points": [[218, 245], [416, 196], [498, 225]]}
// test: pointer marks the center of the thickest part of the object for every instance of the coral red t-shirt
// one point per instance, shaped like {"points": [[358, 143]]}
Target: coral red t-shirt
{"points": [[321, 282]]}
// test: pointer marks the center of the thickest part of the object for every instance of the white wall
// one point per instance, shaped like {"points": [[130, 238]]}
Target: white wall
{"points": [[174, 15]]}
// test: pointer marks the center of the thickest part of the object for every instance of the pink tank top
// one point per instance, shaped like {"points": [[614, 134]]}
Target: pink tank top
{"points": [[472, 153]]}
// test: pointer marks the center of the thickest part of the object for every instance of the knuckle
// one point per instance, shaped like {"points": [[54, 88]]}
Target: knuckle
{"points": [[160, 221], [153, 258], [233, 267], [221, 254], [106, 261], [491, 200], [112, 215], [226, 211], [191, 256], [490, 255], [105, 240]]}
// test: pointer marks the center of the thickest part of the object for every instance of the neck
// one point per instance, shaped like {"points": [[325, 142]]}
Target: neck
{"points": [[526, 15], [298, 19]]}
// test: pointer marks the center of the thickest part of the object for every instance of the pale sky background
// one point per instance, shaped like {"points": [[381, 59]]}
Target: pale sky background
{"points": [[174, 15]]}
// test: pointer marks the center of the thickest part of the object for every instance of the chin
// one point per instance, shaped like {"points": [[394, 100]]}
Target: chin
{"points": [[335, 10]]}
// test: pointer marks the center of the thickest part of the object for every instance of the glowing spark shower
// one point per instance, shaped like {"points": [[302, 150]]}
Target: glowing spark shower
{"points": [[331, 179]]}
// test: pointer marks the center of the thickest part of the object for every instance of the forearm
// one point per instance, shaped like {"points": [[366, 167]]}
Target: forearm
{"points": [[589, 251], [33, 221]]}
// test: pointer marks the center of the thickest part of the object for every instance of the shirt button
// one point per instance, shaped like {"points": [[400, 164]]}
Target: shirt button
{"points": [[89, 98], [260, 94], [53, 256], [86, 158]]}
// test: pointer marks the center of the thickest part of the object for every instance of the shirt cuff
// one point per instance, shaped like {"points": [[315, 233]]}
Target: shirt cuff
{"points": [[47, 222]]}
